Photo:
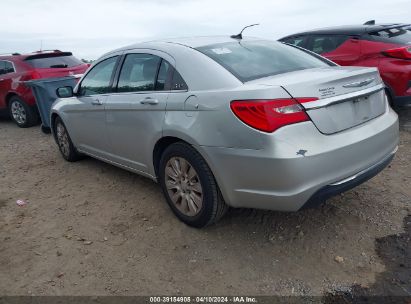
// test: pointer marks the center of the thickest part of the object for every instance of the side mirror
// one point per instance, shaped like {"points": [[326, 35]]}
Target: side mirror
{"points": [[65, 92]]}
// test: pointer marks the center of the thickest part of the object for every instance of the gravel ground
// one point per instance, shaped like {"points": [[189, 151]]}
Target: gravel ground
{"points": [[93, 229]]}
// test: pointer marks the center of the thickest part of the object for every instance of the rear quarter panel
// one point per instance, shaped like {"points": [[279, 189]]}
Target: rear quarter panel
{"points": [[204, 118], [395, 72]]}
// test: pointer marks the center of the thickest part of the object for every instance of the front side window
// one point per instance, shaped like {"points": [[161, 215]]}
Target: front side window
{"points": [[139, 73], [249, 60], [326, 43], [98, 80]]}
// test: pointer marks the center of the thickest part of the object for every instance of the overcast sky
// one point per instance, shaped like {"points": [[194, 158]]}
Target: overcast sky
{"points": [[90, 28]]}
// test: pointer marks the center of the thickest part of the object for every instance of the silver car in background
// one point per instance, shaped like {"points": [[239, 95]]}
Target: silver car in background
{"points": [[224, 122]]}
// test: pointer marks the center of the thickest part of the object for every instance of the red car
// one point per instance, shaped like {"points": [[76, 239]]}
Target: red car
{"points": [[385, 46], [15, 96]]}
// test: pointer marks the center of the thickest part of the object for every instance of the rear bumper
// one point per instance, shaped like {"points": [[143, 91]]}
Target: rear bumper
{"points": [[299, 165], [402, 100], [331, 190]]}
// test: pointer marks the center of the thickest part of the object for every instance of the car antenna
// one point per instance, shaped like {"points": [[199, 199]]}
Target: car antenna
{"points": [[371, 22], [240, 35]]}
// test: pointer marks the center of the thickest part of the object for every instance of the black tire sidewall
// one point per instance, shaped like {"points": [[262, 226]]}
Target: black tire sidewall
{"points": [[31, 114], [73, 154], [208, 184]]}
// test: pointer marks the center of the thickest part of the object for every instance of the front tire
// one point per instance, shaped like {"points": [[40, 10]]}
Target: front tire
{"points": [[22, 114], [66, 147], [190, 187]]}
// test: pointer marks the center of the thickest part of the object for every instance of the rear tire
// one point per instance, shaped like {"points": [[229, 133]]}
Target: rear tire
{"points": [[389, 98], [22, 114], [66, 147], [189, 186]]}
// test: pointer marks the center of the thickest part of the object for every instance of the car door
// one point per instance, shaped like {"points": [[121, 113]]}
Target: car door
{"points": [[86, 117], [3, 89], [6, 77], [135, 112], [342, 49]]}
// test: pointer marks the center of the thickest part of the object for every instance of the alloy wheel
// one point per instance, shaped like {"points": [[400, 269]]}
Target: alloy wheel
{"points": [[183, 186], [18, 112], [62, 139]]}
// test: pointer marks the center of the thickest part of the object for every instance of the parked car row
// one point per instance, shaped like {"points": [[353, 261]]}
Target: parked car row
{"points": [[385, 46], [231, 121], [15, 69]]}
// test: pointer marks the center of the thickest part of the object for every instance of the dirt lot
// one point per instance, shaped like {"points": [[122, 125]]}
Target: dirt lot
{"points": [[93, 229]]}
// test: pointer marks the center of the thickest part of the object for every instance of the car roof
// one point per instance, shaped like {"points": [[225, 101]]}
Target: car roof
{"points": [[10, 57], [350, 29], [191, 42], [181, 53], [18, 56], [199, 41]]}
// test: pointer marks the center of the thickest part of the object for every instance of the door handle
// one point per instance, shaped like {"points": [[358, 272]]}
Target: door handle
{"points": [[2, 79], [149, 100], [96, 102]]}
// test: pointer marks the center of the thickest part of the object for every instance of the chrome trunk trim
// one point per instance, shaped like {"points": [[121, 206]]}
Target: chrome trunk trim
{"points": [[342, 98]]}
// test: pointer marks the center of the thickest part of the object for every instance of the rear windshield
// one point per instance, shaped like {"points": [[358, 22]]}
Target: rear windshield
{"points": [[397, 35], [53, 61], [249, 60]]}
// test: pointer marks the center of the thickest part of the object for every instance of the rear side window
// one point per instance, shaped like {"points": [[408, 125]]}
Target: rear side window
{"points": [[53, 60], [397, 35], [249, 60], [297, 41], [6, 67], [9, 68], [326, 43], [98, 80], [138, 73], [178, 82], [2, 67]]}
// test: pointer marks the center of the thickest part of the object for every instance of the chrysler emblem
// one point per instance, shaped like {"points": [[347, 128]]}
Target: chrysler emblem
{"points": [[359, 83]]}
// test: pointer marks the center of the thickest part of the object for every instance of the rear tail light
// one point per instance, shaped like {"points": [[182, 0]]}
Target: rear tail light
{"points": [[270, 115], [30, 75], [401, 53], [35, 75]]}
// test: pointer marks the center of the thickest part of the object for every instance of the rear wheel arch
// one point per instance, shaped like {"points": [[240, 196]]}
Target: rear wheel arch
{"points": [[9, 96], [162, 144], [213, 206], [159, 148]]}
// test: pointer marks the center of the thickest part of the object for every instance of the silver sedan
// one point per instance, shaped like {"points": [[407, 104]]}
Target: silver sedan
{"points": [[220, 122]]}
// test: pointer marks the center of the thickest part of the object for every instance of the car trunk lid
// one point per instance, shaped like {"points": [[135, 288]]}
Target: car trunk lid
{"points": [[344, 97]]}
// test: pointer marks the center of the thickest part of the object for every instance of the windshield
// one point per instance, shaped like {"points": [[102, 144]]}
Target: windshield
{"points": [[398, 35], [249, 60], [53, 61]]}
